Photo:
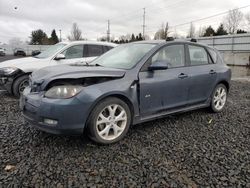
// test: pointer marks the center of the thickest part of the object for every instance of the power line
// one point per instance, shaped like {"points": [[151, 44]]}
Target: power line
{"points": [[204, 18], [215, 15]]}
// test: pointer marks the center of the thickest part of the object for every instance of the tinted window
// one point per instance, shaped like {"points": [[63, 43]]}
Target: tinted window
{"points": [[74, 52], [107, 48], [213, 55], [93, 50], [174, 55], [198, 55]]}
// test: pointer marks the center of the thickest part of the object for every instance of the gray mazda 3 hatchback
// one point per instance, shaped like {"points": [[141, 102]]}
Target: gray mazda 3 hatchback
{"points": [[130, 84]]}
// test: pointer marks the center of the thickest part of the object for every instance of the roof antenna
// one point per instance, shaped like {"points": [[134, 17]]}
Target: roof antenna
{"points": [[170, 39], [193, 40]]}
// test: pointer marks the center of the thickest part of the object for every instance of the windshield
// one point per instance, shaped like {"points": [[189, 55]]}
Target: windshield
{"points": [[125, 56], [50, 51]]}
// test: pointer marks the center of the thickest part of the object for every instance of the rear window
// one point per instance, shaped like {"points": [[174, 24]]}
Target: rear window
{"points": [[93, 50], [107, 48], [198, 55]]}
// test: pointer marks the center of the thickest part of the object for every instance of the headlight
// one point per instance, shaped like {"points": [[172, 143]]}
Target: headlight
{"points": [[63, 91], [8, 70]]}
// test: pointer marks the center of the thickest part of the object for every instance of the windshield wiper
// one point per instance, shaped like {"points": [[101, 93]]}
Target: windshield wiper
{"points": [[98, 65]]}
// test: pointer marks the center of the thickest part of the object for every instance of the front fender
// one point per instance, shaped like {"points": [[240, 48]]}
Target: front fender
{"points": [[96, 93]]}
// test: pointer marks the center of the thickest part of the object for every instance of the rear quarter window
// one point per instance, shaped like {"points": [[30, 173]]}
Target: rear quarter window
{"points": [[213, 55]]}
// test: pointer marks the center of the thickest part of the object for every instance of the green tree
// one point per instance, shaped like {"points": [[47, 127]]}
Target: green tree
{"points": [[54, 39], [132, 37], [140, 36], [240, 31], [221, 30], [39, 37], [209, 32]]}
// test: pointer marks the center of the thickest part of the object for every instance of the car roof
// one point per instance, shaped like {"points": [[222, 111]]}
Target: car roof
{"points": [[90, 42], [178, 41]]}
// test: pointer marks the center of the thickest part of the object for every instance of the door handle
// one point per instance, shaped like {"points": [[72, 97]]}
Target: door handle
{"points": [[182, 76], [212, 72]]}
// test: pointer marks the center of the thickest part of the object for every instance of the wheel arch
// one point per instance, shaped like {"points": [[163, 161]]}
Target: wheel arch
{"points": [[21, 73], [224, 82], [120, 96]]}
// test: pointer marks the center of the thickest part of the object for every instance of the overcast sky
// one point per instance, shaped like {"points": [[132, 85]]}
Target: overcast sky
{"points": [[19, 17]]}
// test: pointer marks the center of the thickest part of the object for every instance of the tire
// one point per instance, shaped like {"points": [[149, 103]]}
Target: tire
{"points": [[115, 130], [219, 98], [22, 82]]}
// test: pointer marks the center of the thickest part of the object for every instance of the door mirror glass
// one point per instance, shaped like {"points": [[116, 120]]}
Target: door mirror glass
{"points": [[60, 56], [158, 65]]}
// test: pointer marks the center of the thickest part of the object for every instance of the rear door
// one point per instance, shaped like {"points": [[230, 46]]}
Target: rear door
{"points": [[164, 89], [202, 72]]}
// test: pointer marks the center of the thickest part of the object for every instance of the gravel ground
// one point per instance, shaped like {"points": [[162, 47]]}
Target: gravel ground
{"points": [[194, 149]]}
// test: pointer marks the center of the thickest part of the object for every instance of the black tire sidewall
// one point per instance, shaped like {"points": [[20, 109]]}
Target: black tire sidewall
{"points": [[15, 86], [91, 125], [212, 99]]}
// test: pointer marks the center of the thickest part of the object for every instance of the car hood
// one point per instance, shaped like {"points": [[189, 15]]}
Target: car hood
{"points": [[22, 63], [74, 72]]}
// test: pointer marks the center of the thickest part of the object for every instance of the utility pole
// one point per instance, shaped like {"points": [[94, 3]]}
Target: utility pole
{"points": [[108, 32], [60, 35], [143, 24]]}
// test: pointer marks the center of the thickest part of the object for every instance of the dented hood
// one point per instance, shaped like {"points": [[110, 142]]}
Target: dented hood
{"points": [[74, 72]]}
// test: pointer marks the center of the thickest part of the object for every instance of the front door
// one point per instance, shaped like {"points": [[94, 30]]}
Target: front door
{"points": [[162, 90], [73, 54]]}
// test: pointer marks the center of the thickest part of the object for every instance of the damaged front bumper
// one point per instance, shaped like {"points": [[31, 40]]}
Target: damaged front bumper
{"points": [[56, 116]]}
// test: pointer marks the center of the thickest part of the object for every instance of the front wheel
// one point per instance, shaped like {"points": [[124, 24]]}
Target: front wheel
{"points": [[19, 85], [219, 98], [109, 121]]}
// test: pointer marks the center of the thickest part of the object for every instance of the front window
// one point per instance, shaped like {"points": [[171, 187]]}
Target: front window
{"points": [[74, 52], [124, 56], [174, 55], [50, 51]]}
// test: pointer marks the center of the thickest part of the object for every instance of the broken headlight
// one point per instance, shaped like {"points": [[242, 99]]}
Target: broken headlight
{"points": [[63, 91]]}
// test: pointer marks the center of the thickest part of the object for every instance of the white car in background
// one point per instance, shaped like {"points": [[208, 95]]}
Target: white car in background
{"points": [[14, 74]]}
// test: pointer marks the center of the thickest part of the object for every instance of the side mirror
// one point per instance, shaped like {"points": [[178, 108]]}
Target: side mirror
{"points": [[59, 57], [158, 65]]}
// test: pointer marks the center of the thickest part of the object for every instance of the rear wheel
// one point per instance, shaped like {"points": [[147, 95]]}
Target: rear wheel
{"points": [[20, 84], [219, 98], [109, 121]]}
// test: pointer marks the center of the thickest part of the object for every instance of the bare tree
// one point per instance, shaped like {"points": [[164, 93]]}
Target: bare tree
{"points": [[76, 33], [248, 19], [191, 33], [233, 20], [201, 31], [15, 41], [163, 32]]}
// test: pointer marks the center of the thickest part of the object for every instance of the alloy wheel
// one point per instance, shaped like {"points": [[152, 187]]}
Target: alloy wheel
{"points": [[111, 122], [220, 97]]}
